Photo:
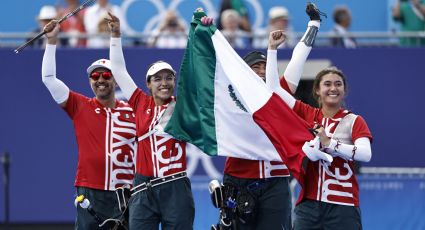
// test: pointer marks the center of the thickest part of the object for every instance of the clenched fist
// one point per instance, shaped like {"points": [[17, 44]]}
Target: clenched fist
{"points": [[276, 38]]}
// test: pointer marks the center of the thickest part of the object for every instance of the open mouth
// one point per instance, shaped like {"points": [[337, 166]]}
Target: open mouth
{"points": [[333, 95], [101, 86]]}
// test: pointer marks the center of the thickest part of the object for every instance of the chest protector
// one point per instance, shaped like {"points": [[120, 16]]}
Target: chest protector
{"points": [[343, 132]]}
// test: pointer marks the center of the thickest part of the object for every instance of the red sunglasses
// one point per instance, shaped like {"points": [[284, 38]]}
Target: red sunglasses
{"points": [[96, 75]]}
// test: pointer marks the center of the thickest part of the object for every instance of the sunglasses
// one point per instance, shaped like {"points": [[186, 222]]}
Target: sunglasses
{"points": [[96, 75]]}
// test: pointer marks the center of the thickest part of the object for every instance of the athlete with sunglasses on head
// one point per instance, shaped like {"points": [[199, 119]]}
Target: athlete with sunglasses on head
{"points": [[105, 130]]}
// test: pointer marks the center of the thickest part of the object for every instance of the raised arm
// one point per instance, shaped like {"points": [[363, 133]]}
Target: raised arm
{"points": [[58, 89], [272, 75], [300, 53], [116, 56]]}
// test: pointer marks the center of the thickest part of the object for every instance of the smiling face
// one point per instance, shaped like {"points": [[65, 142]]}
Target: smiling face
{"points": [[161, 85], [331, 90], [103, 84]]}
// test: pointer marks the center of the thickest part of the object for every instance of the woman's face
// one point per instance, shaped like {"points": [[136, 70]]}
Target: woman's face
{"points": [[331, 90], [161, 86]]}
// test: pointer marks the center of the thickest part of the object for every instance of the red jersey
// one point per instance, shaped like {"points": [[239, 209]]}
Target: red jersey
{"points": [[106, 142], [335, 183], [157, 155], [253, 169]]}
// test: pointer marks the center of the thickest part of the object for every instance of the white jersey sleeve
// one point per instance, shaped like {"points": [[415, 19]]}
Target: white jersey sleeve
{"points": [[360, 151], [56, 87], [119, 69], [272, 79], [300, 53]]}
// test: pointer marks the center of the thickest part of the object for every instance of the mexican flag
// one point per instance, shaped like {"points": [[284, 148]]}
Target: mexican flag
{"points": [[225, 109]]}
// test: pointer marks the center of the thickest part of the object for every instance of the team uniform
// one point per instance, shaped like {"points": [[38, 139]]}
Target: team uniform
{"points": [[159, 158], [268, 183], [106, 145], [330, 197], [102, 133], [162, 192]]}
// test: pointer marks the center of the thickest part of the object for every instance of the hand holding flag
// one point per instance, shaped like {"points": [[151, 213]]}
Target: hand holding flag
{"points": [[225, 109]]}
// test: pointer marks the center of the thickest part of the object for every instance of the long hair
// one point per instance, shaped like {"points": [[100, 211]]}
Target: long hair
{"points": [[319, 77]]}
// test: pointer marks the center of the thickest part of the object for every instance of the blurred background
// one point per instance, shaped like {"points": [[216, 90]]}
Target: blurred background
{"points": [[378, 44]]}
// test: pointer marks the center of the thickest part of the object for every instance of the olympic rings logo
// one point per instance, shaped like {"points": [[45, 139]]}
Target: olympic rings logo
{"points": [[160, 9]]}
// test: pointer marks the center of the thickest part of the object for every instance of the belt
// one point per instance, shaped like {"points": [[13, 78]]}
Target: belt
{"points": [[156, 182]]}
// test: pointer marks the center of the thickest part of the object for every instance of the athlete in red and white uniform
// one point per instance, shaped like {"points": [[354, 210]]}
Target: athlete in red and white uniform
{"points": [[162, 193], [321, 184], [268, 182], [329, 198], [105, 138], [105, 130]]}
